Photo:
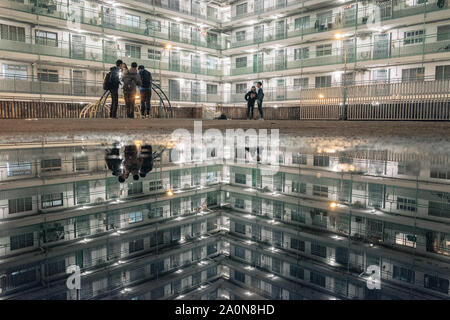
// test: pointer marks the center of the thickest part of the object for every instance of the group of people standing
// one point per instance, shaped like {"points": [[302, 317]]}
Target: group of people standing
{"points": [[129, 79], [256, 94]]}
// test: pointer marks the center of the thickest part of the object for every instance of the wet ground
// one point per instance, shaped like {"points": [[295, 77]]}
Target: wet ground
{"points": [[49, 127]]}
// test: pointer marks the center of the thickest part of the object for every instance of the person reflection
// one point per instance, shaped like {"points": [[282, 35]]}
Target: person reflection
{"points": [[114, 160], [132, 162], [146, 160]]}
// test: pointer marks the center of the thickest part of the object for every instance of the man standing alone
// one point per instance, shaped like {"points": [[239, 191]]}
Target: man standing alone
{"points": [[131, 80], [146, 91], [260, 98]]}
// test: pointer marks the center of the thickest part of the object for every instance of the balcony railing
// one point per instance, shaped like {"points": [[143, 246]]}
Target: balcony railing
{"points": [[258, 10], [84, 88], [365, 90], [106, 19], [359, 16], [107, 54], [387, 49]]}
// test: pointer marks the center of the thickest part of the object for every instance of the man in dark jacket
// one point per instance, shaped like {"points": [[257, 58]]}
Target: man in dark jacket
{"points": [[146, 160], [145, 91], [250, 97], [260, 98], [131, 80], [113, 84], [113, 160]]}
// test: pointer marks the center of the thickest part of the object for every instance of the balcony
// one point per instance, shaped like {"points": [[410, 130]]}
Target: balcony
{"points": [[279, 4], [106, 19], [11, 84], [366, 52], [369, 90], [108, 54], [361, 17]]}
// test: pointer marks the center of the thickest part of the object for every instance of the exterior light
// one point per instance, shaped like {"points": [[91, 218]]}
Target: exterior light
{"points": [[338, 36], [168, 46], [137, 96], [321, 96], [169, 193], [333, 205]]}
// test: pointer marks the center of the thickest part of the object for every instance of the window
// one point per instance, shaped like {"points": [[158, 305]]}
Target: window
{"points": [[211, 89], [298, 158], [50, 165], [413, 74], [323, 50], [239, 228], [240, 178], [321, 161], [12, 33], [132, 51], [439, 209], [403, 274], [241, 62], [20, 205], [56, 267], [301, 53], [297, 244], [47, 75], [155, 212], [81, 163], [440, 173], [241, 9], [297, 272], [436, 283], [443, 33], [301, 83], [239, 252], [136, 245], [405, 239], [239, 276], [318, 250], [82, 192], [298, 187], [320, 191], [154, 54], [132, 21], [46, 38], [240, 203], [153, 25], [135, 217], [301, 23], [22, 241], [20, 168], [298, 215], [134, 188], [52, 200], [241, 35], [11, 71], [411, 37], [323, 81], [211, 248], [241, 88], [406, 204], [317, 279], [442, 72], [155, 185]]}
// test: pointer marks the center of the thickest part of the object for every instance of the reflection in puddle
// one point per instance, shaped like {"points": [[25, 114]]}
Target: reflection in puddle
{"points": [[334, 219]]}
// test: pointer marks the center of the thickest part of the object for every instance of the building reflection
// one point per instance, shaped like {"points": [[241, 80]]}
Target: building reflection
{"points": [[144, 224]]}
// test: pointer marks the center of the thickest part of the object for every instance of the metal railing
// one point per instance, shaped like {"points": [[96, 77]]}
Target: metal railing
{"points": [[430, 44], [356, 16], [369, 90], [106, 18]]}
